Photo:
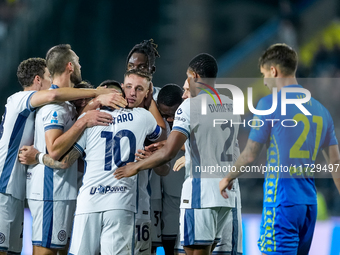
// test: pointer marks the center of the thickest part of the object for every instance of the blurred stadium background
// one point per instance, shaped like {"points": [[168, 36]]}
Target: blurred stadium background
{"points": [[234, 31]]}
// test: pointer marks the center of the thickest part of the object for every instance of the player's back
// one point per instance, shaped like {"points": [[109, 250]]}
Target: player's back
{"points": [[108, 148], [16, 130], [44, 183], [292, 149], [209, 154]]}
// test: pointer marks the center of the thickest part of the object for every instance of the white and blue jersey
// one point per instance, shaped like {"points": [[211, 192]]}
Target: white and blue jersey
{"points": [[208, 150], [16, 130], [292, 150], [45, 183], [108, 148]]}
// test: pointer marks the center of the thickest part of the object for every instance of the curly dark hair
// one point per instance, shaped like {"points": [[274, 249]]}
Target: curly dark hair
{"points": [[149, 48], [28, 69], [205, 65]]}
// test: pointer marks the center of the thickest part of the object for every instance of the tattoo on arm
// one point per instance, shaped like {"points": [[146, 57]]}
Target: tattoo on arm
{"points": [[66, 162]]}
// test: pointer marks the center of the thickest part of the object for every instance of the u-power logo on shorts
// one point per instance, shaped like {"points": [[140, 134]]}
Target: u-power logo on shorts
{"points": [[238, 99], [101, 189]]}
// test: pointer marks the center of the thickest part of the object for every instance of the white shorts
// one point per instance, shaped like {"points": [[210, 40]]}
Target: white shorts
{"points": [[11, 223], [170, 217], [142, 237], [202, 226], [52, 221], [110, 232], [156, 222], [231, 239]]}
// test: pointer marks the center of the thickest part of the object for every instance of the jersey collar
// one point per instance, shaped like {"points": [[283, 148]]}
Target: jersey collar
{"points": [[54, 86]]}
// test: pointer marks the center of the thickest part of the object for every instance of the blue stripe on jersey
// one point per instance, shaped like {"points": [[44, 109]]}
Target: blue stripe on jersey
{"points": [[48, 183], [196, 180], [182, 130], [148, 187], [79, 148], [53, 127], [155, 134], [28, 103], [234, 239], [53, 86], [13, 149], [47, 224], [189, 227]]}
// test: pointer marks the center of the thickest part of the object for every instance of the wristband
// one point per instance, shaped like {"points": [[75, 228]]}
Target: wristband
{"points": [[40, 158]]}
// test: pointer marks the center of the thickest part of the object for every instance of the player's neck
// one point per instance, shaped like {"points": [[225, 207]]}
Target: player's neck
{"points": [[286, 81], [62, 81]]}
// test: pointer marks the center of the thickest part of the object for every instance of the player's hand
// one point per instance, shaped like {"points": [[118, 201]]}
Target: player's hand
{"points": [[97, 118], [126, 171], [147, 101], [27, 155], [225, 183], [113, 100], [155, 146], [142, 154], [179, 164]]}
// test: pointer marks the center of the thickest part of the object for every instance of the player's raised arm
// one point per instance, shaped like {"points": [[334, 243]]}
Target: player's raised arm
{"points": [[247, 157], [43, 97], [58, 143]]}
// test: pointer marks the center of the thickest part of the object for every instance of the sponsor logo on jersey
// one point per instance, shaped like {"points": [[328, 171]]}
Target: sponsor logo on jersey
{"points": [[141, 250], [179, 111], [180, 119], [54, 119], [185, 201], [101, 189], [28, 176]]}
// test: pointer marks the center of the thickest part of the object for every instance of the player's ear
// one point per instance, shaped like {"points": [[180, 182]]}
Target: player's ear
{"points": [[147, 93], [69, 67], [273, 71]]}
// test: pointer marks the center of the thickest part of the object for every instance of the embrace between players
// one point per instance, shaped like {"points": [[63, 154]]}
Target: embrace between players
{"points": [[107, 207]]}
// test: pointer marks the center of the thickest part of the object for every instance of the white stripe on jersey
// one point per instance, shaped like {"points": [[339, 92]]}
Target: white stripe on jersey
{"points": [[201, 188], [16, 130], [106, 149], [45, 183]]}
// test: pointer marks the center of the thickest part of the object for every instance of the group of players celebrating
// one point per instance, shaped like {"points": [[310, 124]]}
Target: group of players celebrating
{"points": [[123, 207]]}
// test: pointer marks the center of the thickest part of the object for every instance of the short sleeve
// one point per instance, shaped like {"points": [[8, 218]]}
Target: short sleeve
{"points": [[80, 145], [182, 118], [153, 131], [260, 128], [54, 117], [330, 138]]}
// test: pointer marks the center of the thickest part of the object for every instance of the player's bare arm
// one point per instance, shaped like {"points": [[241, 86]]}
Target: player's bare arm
{"points": [[160, 157], [247, 157], [332, 156], [160, 170], [28, 155], [58, 143], [43, 97], [114, 100], [154, 111]]}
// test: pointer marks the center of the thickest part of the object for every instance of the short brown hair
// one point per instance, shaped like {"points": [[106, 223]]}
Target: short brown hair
{"points": [[280, 55], [145, 75], [57, 58], [28, 69]]}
